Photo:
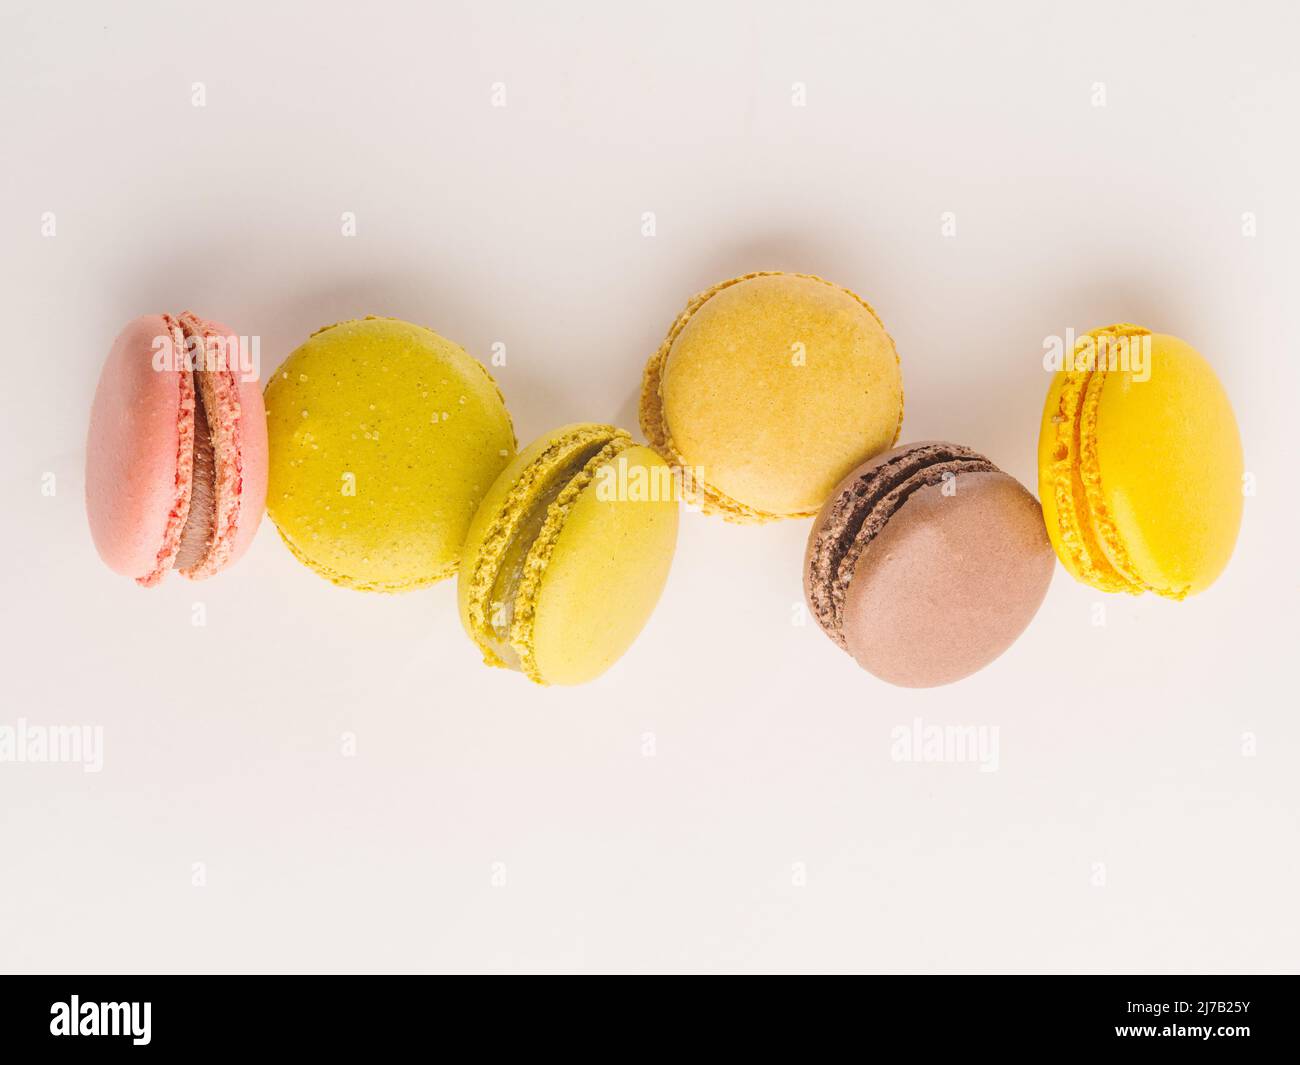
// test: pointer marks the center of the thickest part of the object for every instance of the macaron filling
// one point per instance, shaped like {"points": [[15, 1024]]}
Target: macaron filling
{"points": [[1086, 528], [526, 593], [178, 515], [218, 387], [201, 526], [196, 535], [861, 510], [504, 578], [513, 559]]}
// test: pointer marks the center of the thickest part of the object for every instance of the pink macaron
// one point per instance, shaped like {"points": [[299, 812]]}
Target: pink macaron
{"points": [[176, 457]]}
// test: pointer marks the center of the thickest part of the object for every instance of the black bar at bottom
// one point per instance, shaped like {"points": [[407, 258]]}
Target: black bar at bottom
{"points": [[1227, 1015]]}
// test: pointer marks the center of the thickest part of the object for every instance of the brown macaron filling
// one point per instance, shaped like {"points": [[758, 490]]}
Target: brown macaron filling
{"points": [[927, 563], [858, 512]]}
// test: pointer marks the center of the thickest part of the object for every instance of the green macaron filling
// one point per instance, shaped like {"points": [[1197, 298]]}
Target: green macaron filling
{"points": [[510, 572]]}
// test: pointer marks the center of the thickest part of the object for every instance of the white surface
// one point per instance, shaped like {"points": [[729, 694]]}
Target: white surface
{"points": [[1119, 744]]}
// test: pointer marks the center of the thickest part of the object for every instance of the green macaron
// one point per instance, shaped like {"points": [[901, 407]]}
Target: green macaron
{"points": [[568, 554], [384, 438]]}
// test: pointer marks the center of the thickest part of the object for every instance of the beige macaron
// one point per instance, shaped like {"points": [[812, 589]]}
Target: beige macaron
{"points": [[768, 390]]}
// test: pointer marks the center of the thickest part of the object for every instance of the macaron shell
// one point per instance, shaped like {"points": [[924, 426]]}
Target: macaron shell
{"points": [[1170, 465], [605, 572], [775, 386], [949, 583], [135, 485], [236, 416], [864, 501], [527, 476], [1060, 491], [384, 437], [1141, 478]]}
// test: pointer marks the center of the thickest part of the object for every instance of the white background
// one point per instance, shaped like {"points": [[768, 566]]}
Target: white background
{"points": [[1121, 745]]}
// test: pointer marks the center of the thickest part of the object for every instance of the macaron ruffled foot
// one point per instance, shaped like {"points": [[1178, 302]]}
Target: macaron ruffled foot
{"points": [[176, 455], [1140, 465], [568, 554], [767, 390], [927, 563]]}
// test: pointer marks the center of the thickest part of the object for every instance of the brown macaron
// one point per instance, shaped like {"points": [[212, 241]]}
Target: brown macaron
{"points": [[926, 563]]}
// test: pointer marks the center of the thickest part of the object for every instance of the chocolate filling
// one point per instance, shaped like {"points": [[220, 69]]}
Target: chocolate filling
{"points": [[862, 509]]}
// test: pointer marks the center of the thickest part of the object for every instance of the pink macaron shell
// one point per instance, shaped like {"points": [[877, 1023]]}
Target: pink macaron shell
{"points": [[255, 462], [136, 477], [253, 456]]}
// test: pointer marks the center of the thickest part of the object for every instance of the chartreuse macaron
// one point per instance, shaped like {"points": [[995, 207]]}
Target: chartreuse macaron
{"points": [[768, 390], [568, 554], [1140, 464], [384, 438]]}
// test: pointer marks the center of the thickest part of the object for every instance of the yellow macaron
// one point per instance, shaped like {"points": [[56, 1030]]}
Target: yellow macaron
{"points": [[568, 554], [768, 390], [384, 437], [1140, 464]]}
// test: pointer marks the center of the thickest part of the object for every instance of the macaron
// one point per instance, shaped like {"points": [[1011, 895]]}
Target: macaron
{"points": [[176, 458], [568, 554], [768, 390], [927, 563], [1140, 465], [384, 437]]}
